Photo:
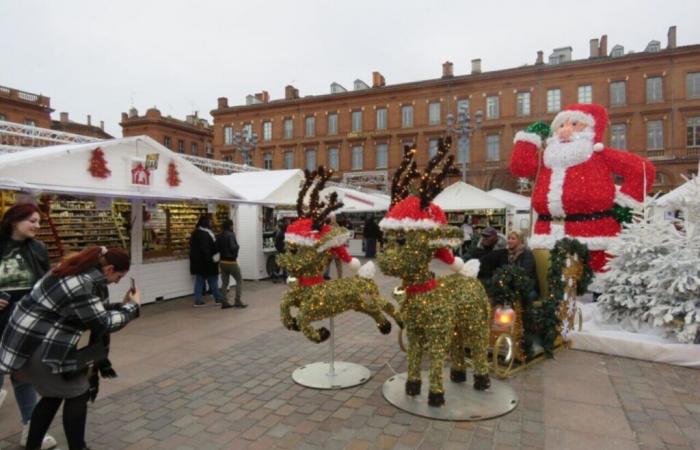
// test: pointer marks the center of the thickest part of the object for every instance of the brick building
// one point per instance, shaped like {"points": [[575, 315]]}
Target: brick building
{"points": [[24, 107], [192, 136], [653, 98], [83, 129]]}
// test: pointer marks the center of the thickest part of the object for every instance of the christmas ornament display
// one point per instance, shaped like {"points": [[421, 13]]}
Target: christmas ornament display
{"points": [[444, 314], [173, 175], [574, 193], [309, 246], [98, 165]]}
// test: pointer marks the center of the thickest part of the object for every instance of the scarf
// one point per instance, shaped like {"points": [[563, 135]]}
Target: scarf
{"points": [[514, 254]]}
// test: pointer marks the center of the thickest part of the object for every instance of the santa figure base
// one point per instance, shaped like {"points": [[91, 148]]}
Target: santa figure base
{"points": [[462, 402], [339, 375]]}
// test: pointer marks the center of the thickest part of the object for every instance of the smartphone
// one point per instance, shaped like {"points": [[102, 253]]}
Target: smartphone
{"points": [[133, 286]]}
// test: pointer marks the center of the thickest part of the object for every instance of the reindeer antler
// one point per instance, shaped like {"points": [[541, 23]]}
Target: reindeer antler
{"points": [[403, 176], [308, 181], [318, 211], [431, 185]]}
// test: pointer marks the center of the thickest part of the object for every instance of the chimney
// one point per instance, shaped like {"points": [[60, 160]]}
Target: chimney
{"points": [[603, 49], [476, 66], [262, 97], [64, 117], [89, 120], [125, 117], [672, 37], [102, 125], [133, 112], [222, 102], [594, 48], [447, 71], [540, 57], [377, 80], [290, 92]]}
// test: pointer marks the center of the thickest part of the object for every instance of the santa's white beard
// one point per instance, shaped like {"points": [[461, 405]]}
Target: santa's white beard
{"points": [[561, 155]]}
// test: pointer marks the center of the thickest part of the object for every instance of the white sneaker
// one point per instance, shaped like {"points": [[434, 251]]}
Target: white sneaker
{"points": [[3, 394], [46, 444]]}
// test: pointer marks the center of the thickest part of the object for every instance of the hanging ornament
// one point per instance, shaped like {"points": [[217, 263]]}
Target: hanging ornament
{"points": [[173, 175], [98, 164]]}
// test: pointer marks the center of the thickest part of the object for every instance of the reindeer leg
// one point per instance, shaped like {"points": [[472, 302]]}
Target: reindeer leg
{"points": [[458, 366], [310, 332], [415, 354], [479, 342], [286, 312], [439, 339]]}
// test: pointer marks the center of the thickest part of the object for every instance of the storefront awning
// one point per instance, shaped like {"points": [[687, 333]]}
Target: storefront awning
{"points": [[461, 196]]}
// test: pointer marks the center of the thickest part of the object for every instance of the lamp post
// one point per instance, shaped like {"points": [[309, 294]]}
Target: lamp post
{"points": [[463, 129], [245, 141]]}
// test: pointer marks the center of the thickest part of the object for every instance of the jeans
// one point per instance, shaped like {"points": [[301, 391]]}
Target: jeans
{"points": [[199, 285], [231, 269], [25, 395], [370, 248]]}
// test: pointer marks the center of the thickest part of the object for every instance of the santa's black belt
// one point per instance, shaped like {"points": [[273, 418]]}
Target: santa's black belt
{"points": [[577, 217]]}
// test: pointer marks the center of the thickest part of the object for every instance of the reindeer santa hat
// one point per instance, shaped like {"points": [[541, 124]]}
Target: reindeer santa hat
{"points": [[301, 232]]}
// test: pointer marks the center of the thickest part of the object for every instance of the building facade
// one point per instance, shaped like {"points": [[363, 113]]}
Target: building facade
{"points": [[653, 98], [192, 136], [83, 129], [24, 107]]}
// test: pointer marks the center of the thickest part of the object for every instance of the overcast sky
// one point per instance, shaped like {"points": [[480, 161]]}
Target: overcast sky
{"points": [[100, 57]]}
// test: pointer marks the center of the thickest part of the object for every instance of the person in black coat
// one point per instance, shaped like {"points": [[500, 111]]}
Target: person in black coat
{"points": [[489, 255], [204, 261], [520, 255], [371, 233], [228, 248]]}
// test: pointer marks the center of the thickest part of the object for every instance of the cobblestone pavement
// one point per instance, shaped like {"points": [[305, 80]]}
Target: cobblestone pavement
{"points": [[225, 383]]}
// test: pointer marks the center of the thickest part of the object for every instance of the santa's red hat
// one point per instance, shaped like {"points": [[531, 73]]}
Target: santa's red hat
{"points": [[595, 116]]}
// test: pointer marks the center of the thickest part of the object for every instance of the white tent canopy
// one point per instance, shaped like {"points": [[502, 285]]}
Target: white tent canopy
{"points": [[63, 169], [461, 196], [270, 187], [519, 202], [358, 201]]}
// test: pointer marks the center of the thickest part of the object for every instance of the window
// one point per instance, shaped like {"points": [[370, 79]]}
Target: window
{"points": [[522, 104], [618, 136], [288, 128], [585, 94], [311, 159], [693, 128], [434, 113], [553, 100], [267, 161], [247, 158], [463, 106], [432, 147], [381, 118], [228, 136], [30, 122], [180, 146], [357, 163], [493, 147], [692, 82], [356, 121], [248, 130], [463, 150], [492, 107], [310, 126], [333, 158], [655, 135], [289, 159], [209, 149], [382, 156], [407, 116], [618, 94], [167, 142], [654, 90], [193, 148], [2, 117], [333, 123], [267, 130]]}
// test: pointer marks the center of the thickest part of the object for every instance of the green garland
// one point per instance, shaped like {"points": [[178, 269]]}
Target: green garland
{"points": [[548, 316], [510, 284], [622, 214]]}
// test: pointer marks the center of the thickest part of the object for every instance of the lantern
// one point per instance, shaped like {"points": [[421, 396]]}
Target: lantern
{"points": [[504, 317]]}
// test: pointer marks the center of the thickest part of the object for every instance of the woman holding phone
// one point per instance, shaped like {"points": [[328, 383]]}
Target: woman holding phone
{"points": [[39, 343]]}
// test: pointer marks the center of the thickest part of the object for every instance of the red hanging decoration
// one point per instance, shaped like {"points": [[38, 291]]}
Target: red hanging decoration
{"points": [[173, 175], [98, 164]]}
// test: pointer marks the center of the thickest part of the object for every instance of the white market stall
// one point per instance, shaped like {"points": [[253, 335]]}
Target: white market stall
{"points": [[460, 199], [255, 223], [140, 174], [518, 214]]}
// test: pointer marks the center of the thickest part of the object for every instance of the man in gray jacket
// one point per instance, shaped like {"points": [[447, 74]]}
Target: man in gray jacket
{"points": [[228, 265]]}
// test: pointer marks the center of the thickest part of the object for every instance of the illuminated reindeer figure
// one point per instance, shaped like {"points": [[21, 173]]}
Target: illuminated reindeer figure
{"points": [[441, 314], [310, 245]]}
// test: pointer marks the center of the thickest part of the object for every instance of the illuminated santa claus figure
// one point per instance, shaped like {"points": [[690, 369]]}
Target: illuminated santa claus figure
{"points": [[574, 192]]}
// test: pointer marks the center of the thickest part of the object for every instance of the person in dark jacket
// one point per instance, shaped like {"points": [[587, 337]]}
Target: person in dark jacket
{"points": [[23, 261], [520, 255], [371, 234], [489, 255], [204, 261], [228, 265]]}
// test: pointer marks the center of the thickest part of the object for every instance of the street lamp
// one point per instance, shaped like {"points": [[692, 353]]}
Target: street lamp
{"points": [[245, 141], [463, 129]]}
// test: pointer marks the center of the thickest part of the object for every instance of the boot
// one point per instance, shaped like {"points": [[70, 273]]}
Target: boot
{"points": [[239, 304]]}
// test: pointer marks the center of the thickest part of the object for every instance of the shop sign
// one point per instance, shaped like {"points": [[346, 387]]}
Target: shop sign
{"points": [[152, 161], [140, 175]]}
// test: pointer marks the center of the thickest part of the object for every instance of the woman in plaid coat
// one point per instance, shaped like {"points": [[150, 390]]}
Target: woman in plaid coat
{"points": [[39, 343]]}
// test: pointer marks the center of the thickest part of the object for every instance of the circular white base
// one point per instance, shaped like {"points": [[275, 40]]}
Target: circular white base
{"points": [[318, 376], [462, 401]]}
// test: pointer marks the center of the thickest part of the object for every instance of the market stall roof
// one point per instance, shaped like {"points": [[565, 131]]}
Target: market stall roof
{"points": [[461, 196], [271, 187], [520, 202], [358, 201], [63, 169]]}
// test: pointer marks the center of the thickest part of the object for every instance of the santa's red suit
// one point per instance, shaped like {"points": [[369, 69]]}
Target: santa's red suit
{"points": [[574, 191]]}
